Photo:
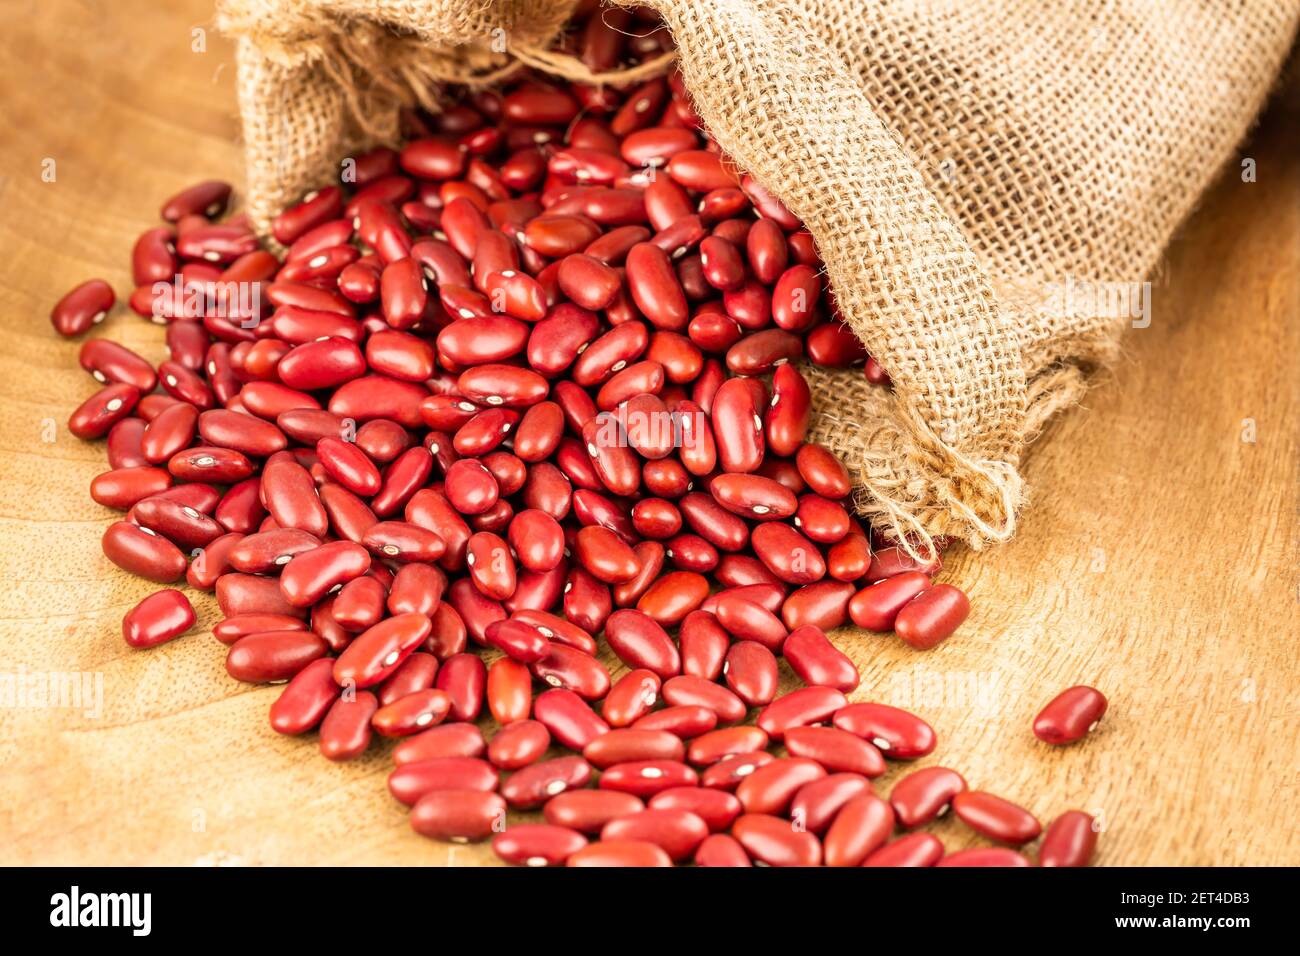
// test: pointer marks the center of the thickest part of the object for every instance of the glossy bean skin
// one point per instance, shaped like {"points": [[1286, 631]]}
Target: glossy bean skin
{"points": [[876, 606], [800, 708], [896, 733], [518, 744], [817, 661], [306, 699], [1070, 716], [816, 804], [771, 840], [272, 656], [377, 652], [925, 795], [411, 781], [719, 849], [931, 616], [535, 784], [345, 731], [445, 740], [458, 816], [912, 849], [677, 832], [1069, 841], [772, 787], [985, 856], [161, 617], [618, 853], [995, 818], [625, 744], [587, 811], [86, 305], [645, 778], [862, 826], [143, 552]]}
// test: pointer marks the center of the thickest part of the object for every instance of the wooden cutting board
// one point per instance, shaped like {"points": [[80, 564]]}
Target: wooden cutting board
{"points": [[1157, 561]]}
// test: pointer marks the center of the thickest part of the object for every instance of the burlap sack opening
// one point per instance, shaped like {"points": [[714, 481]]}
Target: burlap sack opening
{"points": [[963, 165]]}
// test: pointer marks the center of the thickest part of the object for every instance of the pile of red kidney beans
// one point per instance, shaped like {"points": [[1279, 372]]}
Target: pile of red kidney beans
{"points": [[529, 380]]}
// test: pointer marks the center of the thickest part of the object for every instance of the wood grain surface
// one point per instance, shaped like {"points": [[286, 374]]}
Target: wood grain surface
{"points": [[1157, 562]]}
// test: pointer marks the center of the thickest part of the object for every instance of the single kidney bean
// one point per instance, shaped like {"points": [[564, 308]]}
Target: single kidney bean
{"points": [[568, 718], [107, 362], [984, 856], [251, 594], [587, 811], [143, 552], [644, 778], [862, 826], [800, 708], [719, 849], [891, 561], [685, 721], [703, 644], [1069, 840], [618, 853], [715, 745], [310, 575], [534, 785], [717, 808], [751, 672], [639, 641], [876, 606], [995, 818], [272, 656], [412, 713], [411, 781], [124, 444], [771, 788], [97, 414], [836, 750], [86, 305], [464, 678], [518, 744], [728, 772], [925, 795], [528, 844], [673, 597], [687, 691], [626, 744], [345, 731], [377, 652], [931, 616], [771, 840], [677, 832], [447, 740], [267, 550], [122, 488], [894, 732], [183, 525], [458, 816], [157, 619], [748, 621], [817, 661], [816, 804], [1070, 715], [912, 849], [233, 628], [788, 554], [416, 673], [631, 697], [306, 699]]}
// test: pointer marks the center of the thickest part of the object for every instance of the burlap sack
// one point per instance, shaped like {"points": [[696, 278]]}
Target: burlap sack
{"points": [[959, 162]]}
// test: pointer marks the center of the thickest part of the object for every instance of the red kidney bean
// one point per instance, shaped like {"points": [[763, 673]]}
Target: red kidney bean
{"points": [[626, 744], [267, 550], [836, 750], [1070, 715], [894, 732], [984, 856], [816, 804], [995, 818], [703, 645], [771, 840], [159, 618], [250, 594], [728, 772], [771, 788], [644, 778], [925, 795], [306, 699], [751, 672], [86, 305], [97, 414], [534, 785], [674, 596], [862, 826], [748, 621], [464, 678], [587, 811], [630, 853], [800, 708], [143, 552], [311, 574], [412, 713], [181, 524], [509, 691], [233, 628], [345, 731], [272, 656], [678, 832], [715, 745], [416, 673], [458, 816], [913, 849], [719, 849], [876, 606], [817, 661], [1069, 840], [123, 487], [207, 199], [687, 691], [568, 718], [518, 744], [538, 845], [931, 616], [377, 652], [824, 605], [639, 641], [411, 781]]}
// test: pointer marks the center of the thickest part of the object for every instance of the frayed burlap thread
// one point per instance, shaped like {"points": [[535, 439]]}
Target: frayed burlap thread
{"points": [[959, 163]]}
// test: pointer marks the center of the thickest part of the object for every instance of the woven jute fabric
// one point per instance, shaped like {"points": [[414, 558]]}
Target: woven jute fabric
{"points": [[960, 163]]}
